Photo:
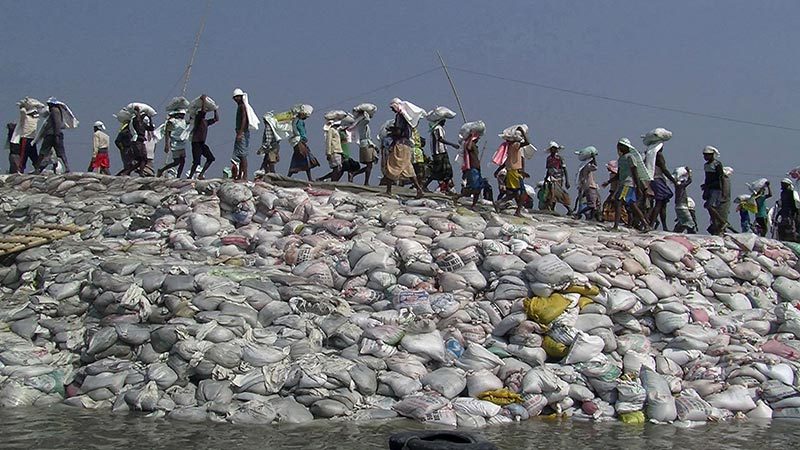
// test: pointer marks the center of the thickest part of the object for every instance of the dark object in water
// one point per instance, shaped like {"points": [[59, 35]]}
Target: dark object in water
{"points": [[438, 440]]}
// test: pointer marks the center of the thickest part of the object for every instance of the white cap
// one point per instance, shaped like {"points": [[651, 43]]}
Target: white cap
{"points": [[100, 125], [554, 144], [786, 181], [238, 92], [710, 150]]}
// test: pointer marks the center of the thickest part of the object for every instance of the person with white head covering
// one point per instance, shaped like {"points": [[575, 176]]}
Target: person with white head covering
{"points": [[713, 189], [367, 150], [399, 165], [509, 156], [245, 120], [629, 184], [52, 136], [302, 158], [270, 144], [176, 133], [786, 218], [441, 169], [684, 221], [760, 197], [100, 141], [657, 166], [333, 150], [587, 186], [556, 178]]}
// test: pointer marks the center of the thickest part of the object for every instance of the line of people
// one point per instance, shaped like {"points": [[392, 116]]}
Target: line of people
{"points": [[638, 182]]}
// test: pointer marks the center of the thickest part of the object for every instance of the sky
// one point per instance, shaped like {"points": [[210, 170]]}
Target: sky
{"points": [[731, 58]]}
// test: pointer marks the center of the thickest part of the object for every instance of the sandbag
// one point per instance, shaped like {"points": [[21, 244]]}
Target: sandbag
{"points": [[448, 381], [471, 127], [656, 135], [439, 113]]}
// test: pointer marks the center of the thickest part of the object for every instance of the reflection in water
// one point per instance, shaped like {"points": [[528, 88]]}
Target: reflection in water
{"points": [[65, 428]]}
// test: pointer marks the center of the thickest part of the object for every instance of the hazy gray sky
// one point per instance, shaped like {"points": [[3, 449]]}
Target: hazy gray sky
{"points": [[733, 58]]}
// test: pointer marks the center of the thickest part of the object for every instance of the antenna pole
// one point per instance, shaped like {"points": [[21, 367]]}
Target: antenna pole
{"points": [[188, 72], [453, 86]]}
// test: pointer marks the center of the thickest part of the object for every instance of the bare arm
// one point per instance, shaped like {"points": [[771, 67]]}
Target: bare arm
{"points": [[661, 162], [243, 124]]}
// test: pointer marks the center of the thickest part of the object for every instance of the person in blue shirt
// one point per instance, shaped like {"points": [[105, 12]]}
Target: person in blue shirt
{"points": [[302, 159]]}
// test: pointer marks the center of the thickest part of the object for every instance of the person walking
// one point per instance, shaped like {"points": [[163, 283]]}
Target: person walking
{"points": [[713, 189], [657, 165], [52, 137], [12, 149], [399, 164], [245, 120], [176, 132], [270, 144], [441, 169], [629, 184], [333, 150], [587, 186], [367, 151], [760, 197], [685, 221], [509, 158], [787, 212], [100, 142], [139, 126], [471, 170], [199, 135], [25, 134], [302, 159], [124, 141], [556, 178]]}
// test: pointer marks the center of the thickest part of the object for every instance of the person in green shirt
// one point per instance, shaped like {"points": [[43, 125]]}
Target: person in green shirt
{"points": [[762, 221]]}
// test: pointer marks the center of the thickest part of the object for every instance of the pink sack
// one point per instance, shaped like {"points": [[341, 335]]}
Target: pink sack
{"points": [[780, 349], [700, 315]]}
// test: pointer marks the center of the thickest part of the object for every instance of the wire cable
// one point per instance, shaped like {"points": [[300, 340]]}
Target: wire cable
{"points": [[385, 86], [623, 101]]}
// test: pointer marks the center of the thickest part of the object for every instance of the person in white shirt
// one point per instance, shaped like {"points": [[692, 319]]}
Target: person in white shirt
{"points": [[100, 141], [176, 133]]}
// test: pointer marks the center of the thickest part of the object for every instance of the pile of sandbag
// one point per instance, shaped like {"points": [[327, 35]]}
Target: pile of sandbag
{"points": [[252, 303]]}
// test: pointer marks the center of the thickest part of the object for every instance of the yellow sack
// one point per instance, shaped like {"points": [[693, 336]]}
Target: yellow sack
{"points": [[585, 290], [285, 116], [584, 301], [545, 310], [500, 397], [632, 418], [554, 349]]}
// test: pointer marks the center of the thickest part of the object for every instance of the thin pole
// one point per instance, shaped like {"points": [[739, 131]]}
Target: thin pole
{"points": [[453, 86], [194, 50]]}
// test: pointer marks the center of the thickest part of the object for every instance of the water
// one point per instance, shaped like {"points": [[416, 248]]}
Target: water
{"points": [[65, 428]]}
